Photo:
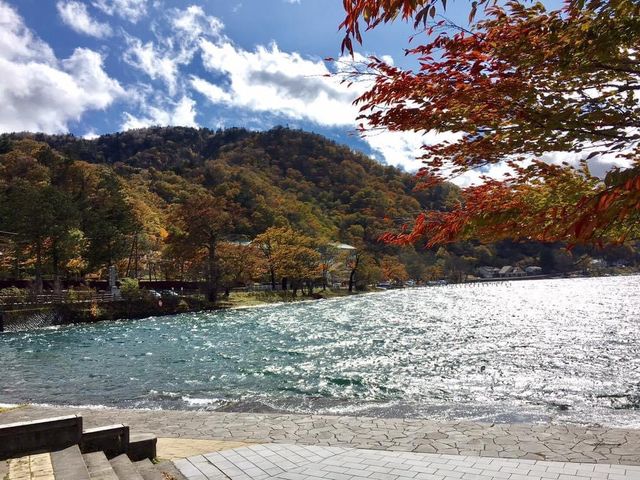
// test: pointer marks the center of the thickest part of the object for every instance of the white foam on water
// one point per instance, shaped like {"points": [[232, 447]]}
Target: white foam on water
{"points": [[202, 402]]}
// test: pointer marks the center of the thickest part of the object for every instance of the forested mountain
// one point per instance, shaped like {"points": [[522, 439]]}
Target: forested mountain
{"points": [[157, 202], [275, 177]]}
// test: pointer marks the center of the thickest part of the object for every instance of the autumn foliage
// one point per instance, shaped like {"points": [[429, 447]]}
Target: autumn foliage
{"points": [[513, 88]]}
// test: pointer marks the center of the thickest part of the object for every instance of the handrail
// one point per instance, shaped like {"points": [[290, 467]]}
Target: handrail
{"points": [[58, 298]]}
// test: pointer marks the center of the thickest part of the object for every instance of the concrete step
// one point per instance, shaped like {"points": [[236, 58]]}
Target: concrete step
{"points": [[68, 464], [141, 446], [148, 470], [99, 466], [124, 468], [39, 436], [112, 440]]}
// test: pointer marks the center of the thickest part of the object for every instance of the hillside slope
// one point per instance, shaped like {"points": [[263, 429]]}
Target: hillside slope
{"points": [[279, 175], [80, 205], [120, 193]]}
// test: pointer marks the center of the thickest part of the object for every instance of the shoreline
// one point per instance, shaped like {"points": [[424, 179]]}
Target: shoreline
{"points": [[372, 410], [72, 314], [55, 315]]}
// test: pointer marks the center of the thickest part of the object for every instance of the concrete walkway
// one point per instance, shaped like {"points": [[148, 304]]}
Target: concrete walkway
{"points": [[562, 443], [296, 462], [175, 448]]}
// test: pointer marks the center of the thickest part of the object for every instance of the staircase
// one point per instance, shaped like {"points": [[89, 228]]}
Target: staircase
{"points": [[59, 449], [72, 464]]}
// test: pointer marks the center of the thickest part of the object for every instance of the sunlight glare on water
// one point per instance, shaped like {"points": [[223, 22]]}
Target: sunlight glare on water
{"points": [[561, 350]]}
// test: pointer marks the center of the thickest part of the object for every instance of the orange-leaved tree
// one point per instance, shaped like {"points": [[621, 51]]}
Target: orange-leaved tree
{"points": [[514, 86]]}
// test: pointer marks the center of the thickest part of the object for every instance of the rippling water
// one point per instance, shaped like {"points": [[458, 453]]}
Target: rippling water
{"points": [[561, 350]]}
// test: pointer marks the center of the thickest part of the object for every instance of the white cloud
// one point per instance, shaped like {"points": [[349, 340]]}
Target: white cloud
{"points": [[76, 16], [153, 62], [181, 113], [17, 42], [43, 93], [403, 149], [90, 135], [214, 93], [161, 60], [598, 166], [269, 80], [193, 22], [132, 10]]}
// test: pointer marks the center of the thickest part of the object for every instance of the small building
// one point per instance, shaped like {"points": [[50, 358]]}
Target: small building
{"points": [[518, 272], [505, 271], [511, 272], [533, 270], [343, 246], [487, 272]]}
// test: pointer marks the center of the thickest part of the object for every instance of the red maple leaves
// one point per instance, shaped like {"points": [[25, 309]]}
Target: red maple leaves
{"points": [[520, 83]]}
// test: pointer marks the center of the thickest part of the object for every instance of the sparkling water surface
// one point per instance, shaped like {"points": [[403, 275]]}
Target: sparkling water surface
{"points": [[565, 350]]}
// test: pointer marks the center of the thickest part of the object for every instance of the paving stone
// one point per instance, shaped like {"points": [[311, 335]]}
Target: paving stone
{"points": [[521, 441], [352, 464]]}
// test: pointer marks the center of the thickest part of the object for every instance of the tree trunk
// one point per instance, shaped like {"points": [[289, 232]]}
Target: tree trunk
{"points": [[273, 278], [55, 260], [16, 262], [352, 276], [212, 288], [135, 260], [352, 279], [38, 286], [284, 284]]}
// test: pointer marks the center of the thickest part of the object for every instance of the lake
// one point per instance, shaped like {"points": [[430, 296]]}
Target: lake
{"points": [[565, 350]]}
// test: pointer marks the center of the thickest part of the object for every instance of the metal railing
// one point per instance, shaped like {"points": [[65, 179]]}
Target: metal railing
{"points": [[57, 298]]}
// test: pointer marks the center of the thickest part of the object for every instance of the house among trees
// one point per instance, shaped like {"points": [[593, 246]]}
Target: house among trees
{"points": [[487, 272], [511, 272], [533, 270], [343, 246]]}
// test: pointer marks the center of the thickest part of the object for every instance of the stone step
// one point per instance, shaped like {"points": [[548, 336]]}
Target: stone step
{"points": [[19, 468], [124, 468], [112, 440], [39, 436], [141, 446], [148, 470], [99, 466], [68, 464]]}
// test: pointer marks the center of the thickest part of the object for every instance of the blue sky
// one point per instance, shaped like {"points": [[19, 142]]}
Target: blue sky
{"points": [[97, 66], [91, 67]]}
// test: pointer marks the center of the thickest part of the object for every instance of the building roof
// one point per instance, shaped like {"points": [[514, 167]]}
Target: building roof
{"points": [[488, 269], [505, 269], [342, 246]]}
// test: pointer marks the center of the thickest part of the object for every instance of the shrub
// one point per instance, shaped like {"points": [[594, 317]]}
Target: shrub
{"points": [[130, 290]]}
